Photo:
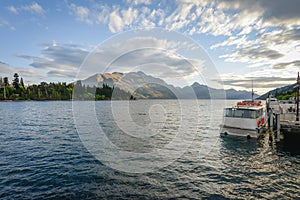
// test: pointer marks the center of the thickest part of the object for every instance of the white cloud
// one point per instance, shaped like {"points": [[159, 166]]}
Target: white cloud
{"points": [[29, 74], [115, 22], [215, 22], [58, 60], [61, 60], [4, 23], [262, 82], [234, 40], [34, 8], [129, 16], [138, 2], [61, 73], [273, 49], [102, 16], [12, 9], [264, 36], [285, 65], [180, 14], [216, 18], [81, 13]]}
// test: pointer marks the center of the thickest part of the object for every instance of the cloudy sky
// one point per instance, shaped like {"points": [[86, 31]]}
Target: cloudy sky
{"points": [[246, 40]]}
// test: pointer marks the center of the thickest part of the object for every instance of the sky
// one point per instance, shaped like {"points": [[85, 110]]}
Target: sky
{"points": [[246, 41]]}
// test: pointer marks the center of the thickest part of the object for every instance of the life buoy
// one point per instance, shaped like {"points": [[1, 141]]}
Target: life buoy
{"points": [[262, 120], [258, 123]]}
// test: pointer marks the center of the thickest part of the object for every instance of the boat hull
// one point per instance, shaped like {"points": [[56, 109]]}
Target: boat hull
{"points": [[248, 133]]}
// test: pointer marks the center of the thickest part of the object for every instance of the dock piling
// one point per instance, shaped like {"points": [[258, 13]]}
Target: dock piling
{"points": [[277, 121]]}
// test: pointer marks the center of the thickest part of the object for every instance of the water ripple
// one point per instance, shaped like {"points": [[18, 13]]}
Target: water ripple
{"points": [[42, 157]]}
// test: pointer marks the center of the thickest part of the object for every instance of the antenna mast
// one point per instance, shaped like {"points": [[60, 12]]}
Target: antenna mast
{"points": [[297, 97], [252, 90]]}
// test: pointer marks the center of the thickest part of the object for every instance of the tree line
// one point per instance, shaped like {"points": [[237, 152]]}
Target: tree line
{"points": [[16, 90], [285, 95]]}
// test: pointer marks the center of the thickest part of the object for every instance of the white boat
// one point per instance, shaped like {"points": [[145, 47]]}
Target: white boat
{"points": [[245, 119]]}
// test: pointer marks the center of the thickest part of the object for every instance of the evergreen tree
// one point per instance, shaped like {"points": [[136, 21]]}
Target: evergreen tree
{"points": [[5, 80], [21, 82], [16, 81]]}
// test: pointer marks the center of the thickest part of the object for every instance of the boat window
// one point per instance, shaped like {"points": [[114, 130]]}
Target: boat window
{"points": [[228, 112], [242, 113]]}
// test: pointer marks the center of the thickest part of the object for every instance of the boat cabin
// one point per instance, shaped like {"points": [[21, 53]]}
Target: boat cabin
{"points": [[239, 112]]}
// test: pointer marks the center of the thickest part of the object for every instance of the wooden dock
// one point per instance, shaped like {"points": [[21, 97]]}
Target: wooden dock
{"points": [[290, 131], [286, 117]]}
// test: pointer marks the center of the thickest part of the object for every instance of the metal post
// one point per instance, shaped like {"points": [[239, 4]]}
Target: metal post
{"points": [[278, 126], [271, 120], [297, 98], [268, 110]]}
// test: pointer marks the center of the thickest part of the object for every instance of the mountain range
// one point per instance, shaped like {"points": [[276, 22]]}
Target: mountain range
{"points": [[281, 90], [144, 86]]}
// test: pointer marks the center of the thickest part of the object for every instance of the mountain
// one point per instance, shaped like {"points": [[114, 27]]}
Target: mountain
{"points": [[240, 94], [281, 90], [144, 86], [99, 79], [205, 92], [138, 83]]}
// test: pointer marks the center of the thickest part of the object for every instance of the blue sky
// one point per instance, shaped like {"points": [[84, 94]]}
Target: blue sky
{"points": [[246, 40]]}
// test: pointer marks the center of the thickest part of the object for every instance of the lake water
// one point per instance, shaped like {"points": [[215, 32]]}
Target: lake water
{"points": [[44, 156]]}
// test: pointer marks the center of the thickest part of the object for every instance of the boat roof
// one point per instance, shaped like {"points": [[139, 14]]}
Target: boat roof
{"points": [[246, 107]]}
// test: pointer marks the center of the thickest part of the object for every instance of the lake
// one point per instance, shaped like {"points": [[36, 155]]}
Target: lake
{"points": [[144, 149]]}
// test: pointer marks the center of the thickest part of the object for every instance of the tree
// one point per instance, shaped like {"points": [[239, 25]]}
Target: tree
{"points": [[5, 81], [16, 81], [60, 91], [21, 82]]}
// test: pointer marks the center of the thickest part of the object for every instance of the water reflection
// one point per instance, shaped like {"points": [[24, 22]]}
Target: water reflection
{"points": [[255, 168], [42, 156], [240, 145]]}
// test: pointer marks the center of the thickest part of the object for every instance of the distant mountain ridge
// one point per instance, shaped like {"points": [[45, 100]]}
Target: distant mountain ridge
{"points": [[281, 90], [144, 86]]}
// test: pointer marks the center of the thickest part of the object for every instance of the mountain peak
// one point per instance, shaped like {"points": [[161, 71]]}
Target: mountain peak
{"points": [[140, 72], [196, 84]]}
